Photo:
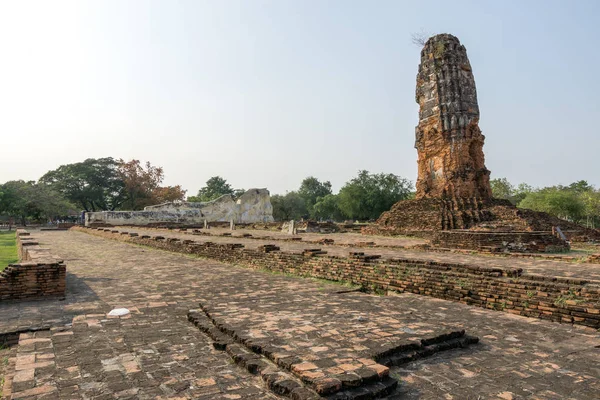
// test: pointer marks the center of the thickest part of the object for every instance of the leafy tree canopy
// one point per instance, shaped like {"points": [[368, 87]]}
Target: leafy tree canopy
{"points": [[562, 203], [142, 185], [501, 188], [94, 184], [289, 206], [327, 208], [311, 189], [109, 184], [368, 195], [32, 201], [578, 202], [215, 188]]}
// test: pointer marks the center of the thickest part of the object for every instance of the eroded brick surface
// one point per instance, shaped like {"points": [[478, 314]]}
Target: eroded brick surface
{"points": [[500, 288], [516, 357]]}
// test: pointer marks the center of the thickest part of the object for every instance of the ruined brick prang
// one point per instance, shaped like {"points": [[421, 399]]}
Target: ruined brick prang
{"points": [[448, 139]]}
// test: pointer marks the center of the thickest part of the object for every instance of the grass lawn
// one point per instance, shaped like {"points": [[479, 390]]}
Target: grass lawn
{"points": [[8, 249]]}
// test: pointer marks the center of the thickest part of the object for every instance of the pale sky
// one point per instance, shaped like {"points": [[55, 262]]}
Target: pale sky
{"points": [[265, 93]]}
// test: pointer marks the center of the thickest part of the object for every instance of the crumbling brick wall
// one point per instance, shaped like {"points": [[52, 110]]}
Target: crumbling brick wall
{"points": [[38, 275]]}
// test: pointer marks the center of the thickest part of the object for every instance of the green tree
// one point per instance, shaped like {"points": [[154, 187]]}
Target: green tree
{"points": [[580, 187], [327, 208], [215, 188], [591, 201], [94, 184], [522, 190], [311, 189], [368, 195], [142, 185], [501, 188], [29, 201], [238, 192], [558, 201], [12, 202], [289, 206]]}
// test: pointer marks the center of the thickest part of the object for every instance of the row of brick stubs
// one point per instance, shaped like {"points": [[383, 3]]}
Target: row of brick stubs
{"points": [[526, 242], [556, 299], [38, 275], [484, 249]]}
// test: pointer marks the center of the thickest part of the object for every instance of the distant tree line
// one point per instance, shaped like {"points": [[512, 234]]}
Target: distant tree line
{"points": [[91, 185], [364, 197], [215, 188], [110, 184], [578, 202]]}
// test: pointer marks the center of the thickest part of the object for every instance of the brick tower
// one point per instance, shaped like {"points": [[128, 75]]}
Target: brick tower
{"points": [[448, 139], [454, 204]]}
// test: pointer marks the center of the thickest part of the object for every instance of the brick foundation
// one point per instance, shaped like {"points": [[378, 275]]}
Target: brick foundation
{"points": [[525, 242], [425, 217], [38, 275], [487, 250], [557, 299]]}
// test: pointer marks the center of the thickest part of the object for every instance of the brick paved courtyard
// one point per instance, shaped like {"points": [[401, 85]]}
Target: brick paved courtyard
{"points": [[329, 331]]}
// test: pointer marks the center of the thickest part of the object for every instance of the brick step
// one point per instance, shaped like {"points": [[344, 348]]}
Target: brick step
{"points": [[405, 354], [258, 358], [279, 382]]}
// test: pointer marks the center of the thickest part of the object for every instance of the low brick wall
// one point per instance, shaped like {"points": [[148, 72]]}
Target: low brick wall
{"points": [[525, 242], [557, 299], [38, 275], [592, 258]]}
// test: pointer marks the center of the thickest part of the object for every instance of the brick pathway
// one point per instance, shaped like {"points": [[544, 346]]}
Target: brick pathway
{"points": [[157, 353]]}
